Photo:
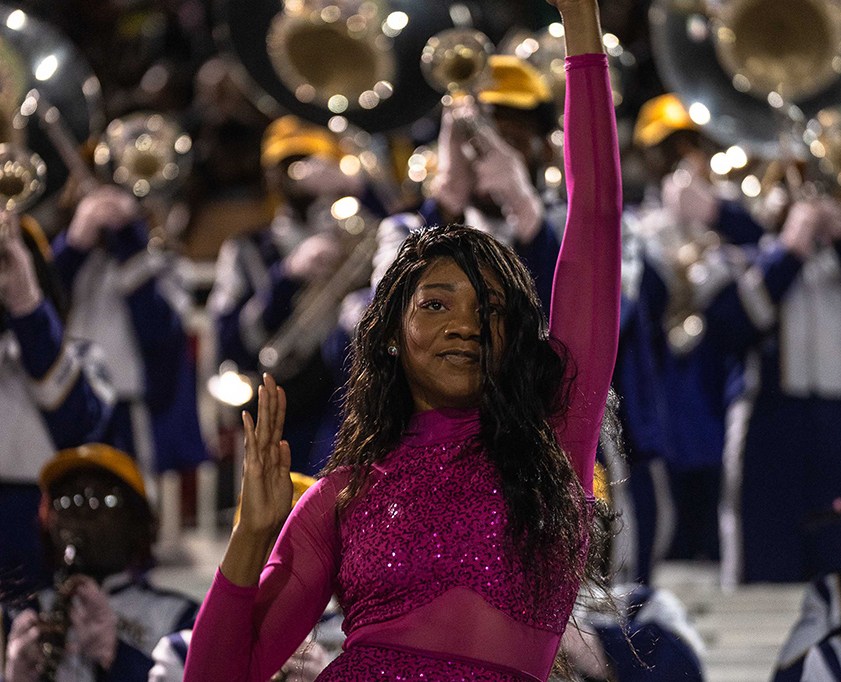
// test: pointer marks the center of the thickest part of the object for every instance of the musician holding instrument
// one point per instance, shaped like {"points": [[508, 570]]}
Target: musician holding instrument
{"points": [[265, 278], [492, 151], [53, 390], [103, 616], [743, 313], [125, 297], [454, 518], [671, 372]]}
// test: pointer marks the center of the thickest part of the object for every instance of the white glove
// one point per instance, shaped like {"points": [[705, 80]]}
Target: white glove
{"points": [[24, 655], [106, 208], [690, 197], [453, 182], [501, 173], [314, 258], [320, 176], [19, 289], [93, 623], [802, 227]]}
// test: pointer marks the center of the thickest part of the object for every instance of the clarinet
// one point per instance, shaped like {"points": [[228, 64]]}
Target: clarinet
{"points": [[55, 623]]}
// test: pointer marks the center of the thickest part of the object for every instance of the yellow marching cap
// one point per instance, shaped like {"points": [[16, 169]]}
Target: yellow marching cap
{"points": [[601, 484], [300, 484], [514, 83], [94, 455], [291, 136], [660, 117]]}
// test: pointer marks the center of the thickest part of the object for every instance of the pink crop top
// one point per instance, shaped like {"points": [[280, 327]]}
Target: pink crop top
{"points": [[421, 563]]}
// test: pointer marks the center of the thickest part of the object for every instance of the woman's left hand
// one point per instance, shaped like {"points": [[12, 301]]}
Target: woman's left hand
{"points": [[266, 485]]}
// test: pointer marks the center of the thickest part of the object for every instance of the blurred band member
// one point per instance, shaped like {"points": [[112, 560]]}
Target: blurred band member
{"points": [[53, 391]]}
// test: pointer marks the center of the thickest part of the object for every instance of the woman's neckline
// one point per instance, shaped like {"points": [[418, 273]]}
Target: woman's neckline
{"points": [[439, 425]]}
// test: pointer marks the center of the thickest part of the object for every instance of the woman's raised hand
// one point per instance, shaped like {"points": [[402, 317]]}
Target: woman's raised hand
{"points": [[582, 25], [266, 497]]}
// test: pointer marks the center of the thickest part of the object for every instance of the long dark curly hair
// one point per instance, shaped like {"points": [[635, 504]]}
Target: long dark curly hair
{"points": [[523, 386]]}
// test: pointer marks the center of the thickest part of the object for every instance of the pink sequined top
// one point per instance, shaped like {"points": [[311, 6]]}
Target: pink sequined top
{"points": [[422, 563]]}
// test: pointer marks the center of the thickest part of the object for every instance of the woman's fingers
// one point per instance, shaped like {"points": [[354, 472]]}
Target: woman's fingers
{"points": [[284, 456], [264, 417], [251, 449], [271, 396], [263, 444], [280, 415]]}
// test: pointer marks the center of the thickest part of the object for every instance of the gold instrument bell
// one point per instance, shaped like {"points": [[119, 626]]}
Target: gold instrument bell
{"points": [[753, 70]]}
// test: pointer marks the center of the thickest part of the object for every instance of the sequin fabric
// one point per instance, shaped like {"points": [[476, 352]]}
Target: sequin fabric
{"points": [[435, 519], [367, 664]]}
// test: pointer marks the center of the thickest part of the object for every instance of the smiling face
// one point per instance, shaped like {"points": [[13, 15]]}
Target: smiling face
{"points": [[441, 337]]}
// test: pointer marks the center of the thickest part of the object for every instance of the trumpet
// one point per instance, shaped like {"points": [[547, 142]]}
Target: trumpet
{"points": [[456, 62], [146, 152]]}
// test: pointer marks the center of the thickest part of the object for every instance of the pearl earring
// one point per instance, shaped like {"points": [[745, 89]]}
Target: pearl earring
{"points": [[392, 350]]}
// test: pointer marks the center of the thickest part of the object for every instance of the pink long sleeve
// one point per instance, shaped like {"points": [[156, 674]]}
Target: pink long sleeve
{"points": [[247, 633], [585, 292]]}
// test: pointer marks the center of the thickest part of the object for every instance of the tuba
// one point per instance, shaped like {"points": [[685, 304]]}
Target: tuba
{"points": [[35, 55], [323, 58], [359, 59], [750, 71]]}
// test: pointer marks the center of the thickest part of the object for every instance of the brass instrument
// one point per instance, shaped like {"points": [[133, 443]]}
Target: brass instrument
{"points": [[317, 306], [22, 177], [456, 63], [318, 59], [788, 47], [750, 72], [456, 60], [34, 54], [306, 40], [62, 139], [146, 152], [55, 622]]}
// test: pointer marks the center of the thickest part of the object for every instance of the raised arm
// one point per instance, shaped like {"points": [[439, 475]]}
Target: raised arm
{"points": [[586, 288], [257, 612]]}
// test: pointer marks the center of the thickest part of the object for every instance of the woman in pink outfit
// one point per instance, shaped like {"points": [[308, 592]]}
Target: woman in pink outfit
{"points": [[453, 520]]}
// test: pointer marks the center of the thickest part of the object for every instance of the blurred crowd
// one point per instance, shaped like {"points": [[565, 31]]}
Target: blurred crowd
{"points": [[139, 308]]}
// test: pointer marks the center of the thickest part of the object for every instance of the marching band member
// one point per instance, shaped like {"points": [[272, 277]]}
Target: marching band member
{"points": [[53, 389]]}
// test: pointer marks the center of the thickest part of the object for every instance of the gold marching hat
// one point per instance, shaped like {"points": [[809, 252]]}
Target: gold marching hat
{"points": [[514, 83], [94, 455], [291, 136], [659, 117]]}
